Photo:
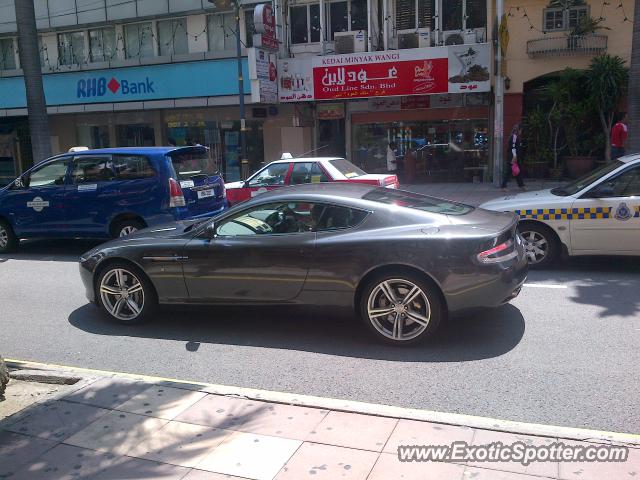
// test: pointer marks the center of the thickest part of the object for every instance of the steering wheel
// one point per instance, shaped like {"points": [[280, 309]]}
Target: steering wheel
{"points": [[276, 220]]}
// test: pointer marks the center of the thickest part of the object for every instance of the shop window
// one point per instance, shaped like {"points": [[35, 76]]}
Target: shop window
{"points": [[138, 40], [7, 54], [305, 23], [71, 48], [93, 136], [358, 14], [102, 44], [338, 18], [172, 37], [476, 14], [221, 31], [136, 135], [414, 14], [452, 15]]}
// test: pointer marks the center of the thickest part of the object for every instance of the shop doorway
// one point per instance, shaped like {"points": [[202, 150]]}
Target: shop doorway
{"points": [[136, 135], [331, 138]]}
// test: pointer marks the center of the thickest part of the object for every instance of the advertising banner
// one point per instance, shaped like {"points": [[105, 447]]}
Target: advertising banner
{"points": [[418, 71], [263, 75]]}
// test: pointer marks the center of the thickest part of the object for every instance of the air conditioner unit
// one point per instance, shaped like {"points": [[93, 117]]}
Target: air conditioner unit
{"points": [[414, 38], [481, 35], [469, 36], [452, 37], [350, 42]]}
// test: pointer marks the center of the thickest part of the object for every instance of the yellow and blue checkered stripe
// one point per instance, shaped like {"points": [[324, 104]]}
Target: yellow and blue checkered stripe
{"points": [[585, 213]]}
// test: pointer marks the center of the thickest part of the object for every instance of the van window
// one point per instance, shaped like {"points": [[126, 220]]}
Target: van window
{"points": [[187, 164], [132, 167], [52, 173], [92, 169]]}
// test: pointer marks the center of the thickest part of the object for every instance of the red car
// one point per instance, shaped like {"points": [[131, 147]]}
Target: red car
{"points": [[295, 171]]}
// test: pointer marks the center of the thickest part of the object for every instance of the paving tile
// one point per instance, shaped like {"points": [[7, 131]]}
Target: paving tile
{"points": [[117, 432], [389, 467], [327, 462], [412, 432], [221, 412], [249, 455], [601, 470], [107, 392], [279, 420], [472, 473], [161, 402], [544, 469], [17, 450], [65, 462], [179, 443], [204, 475], [138, 469], [354, 431], [56, 420]]}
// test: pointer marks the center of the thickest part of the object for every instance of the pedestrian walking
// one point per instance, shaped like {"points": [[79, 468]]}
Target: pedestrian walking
{"points": [[392, 164], [619, 134], [512, 169]]}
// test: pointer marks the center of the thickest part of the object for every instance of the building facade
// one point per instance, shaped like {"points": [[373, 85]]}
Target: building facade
{"points": [[353, 76]]}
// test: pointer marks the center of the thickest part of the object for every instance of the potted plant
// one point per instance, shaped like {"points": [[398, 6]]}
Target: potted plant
{"points": [[577, 132], [537, 155], [587, 26]]}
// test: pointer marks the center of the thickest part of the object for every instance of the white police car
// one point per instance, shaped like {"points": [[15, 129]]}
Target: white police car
{"points": [[598, 214]]}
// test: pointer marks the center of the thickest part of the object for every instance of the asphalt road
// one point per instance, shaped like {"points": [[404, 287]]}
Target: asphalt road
{"points": [[564, 353]]}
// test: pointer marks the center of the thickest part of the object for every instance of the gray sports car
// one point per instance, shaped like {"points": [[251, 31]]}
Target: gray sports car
{"points": [[403, 260]]}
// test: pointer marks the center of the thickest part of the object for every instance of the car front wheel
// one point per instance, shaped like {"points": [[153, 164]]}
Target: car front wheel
{"points": [[8, 240], [400, 309], [125, 294]]}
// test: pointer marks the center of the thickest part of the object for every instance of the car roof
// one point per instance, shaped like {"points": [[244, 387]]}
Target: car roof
{"points": [[306, 159]]}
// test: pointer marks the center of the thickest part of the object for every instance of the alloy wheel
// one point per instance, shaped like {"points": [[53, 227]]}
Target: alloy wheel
{"points": [[122, 294], [398, 309], [536, 246], [128, 230], [4, 237]]}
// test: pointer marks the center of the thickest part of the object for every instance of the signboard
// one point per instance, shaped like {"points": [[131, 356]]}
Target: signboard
{"points": [[447, 100], [207, 78], [263, 75], [330, 111], [418, 71], [264, 22]]}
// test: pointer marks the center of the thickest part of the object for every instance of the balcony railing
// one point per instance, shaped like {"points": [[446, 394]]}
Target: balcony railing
{"points": [[567, 45]]}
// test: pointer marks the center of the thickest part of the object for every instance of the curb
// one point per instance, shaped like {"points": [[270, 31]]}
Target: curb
{"points": [[470, 421]]}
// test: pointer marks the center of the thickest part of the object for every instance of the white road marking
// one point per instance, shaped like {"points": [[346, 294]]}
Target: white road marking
{"points": [[543, 285]]}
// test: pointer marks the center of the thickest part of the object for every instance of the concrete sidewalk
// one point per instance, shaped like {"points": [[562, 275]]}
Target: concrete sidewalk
{"points": [[476, 193], [123, 427]]}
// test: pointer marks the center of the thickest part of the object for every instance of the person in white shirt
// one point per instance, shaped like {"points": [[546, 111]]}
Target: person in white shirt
{"points": [[392, 166]]}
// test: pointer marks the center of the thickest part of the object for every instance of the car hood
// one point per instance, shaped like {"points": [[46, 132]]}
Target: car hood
{"points": [[528, 200]]}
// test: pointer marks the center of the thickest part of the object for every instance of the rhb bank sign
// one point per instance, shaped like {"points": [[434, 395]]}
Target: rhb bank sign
{"points": [[92, 87]]}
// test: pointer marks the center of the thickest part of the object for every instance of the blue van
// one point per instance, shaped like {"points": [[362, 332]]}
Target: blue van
{"points": [[108, 193]]}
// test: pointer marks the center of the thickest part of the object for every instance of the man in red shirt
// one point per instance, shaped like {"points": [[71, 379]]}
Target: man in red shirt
{"points": [[619, 134]]}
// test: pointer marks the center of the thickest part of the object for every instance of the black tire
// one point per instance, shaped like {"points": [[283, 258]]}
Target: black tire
{"points": [[551, 245], [8, 240], [129, 226], [4, 376], [147, 301], [428, 304]]}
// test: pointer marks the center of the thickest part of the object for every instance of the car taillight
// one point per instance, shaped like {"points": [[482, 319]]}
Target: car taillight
{"points": [[176, 198], [500, 253]]}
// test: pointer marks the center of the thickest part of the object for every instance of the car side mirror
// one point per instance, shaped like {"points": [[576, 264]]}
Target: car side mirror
{"points": [[21, 182], [210, 231]]}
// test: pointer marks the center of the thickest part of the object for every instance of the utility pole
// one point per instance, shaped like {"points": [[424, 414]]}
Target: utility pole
{"points": [[244, 162], [30, 64], [498, 104]]}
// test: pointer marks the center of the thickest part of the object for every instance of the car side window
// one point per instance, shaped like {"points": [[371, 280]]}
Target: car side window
{"points": [[272, 175], [317, 174], [627, 184], [132, 167], [92, 170], [334, 217], [48, 175], [271, 218], [301, 173]]}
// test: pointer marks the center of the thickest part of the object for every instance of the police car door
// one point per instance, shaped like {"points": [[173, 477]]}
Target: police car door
{"points": [[606, 219]]}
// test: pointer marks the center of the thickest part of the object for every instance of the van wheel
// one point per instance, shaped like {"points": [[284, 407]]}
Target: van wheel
{"points": [[8, 239], [127, 227]]}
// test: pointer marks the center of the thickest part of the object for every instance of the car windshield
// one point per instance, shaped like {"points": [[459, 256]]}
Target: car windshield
{"points": [[581, 183], [417, 201], [191, 164], [346, 168]]}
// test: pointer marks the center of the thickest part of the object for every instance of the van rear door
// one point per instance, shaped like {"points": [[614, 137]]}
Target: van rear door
{"points": [[201, 184]]}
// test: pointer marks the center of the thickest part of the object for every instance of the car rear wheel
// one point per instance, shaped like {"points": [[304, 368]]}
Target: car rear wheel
{"points": [[8, 240], [127, 227], [125, 294], [540, 244], [400, 309]]}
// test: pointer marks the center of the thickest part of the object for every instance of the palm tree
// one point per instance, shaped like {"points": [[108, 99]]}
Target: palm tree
{"points": [[30, 63], [633, 144]]}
